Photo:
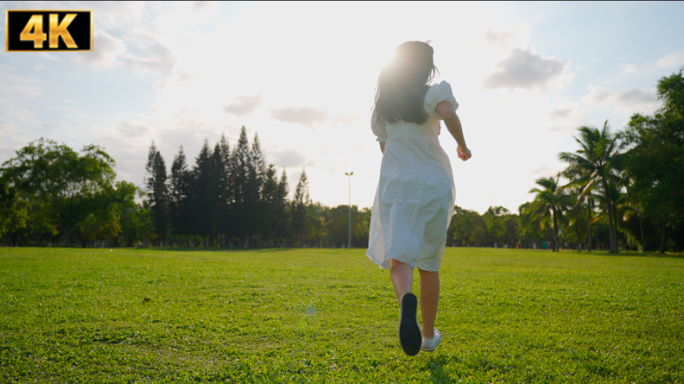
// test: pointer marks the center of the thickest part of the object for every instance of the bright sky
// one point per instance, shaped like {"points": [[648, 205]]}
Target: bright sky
{"points": [[302, 75]]}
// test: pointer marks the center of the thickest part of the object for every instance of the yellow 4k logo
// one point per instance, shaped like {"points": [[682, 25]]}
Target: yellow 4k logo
{"points": [[33, 31]]}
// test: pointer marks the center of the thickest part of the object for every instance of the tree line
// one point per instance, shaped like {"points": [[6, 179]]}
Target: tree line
{"points": [[52, 195], [233, 198], [619, 191]]}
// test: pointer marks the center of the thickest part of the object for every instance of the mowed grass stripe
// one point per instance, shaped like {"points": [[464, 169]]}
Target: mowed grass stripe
{"points": [[329, 315]]}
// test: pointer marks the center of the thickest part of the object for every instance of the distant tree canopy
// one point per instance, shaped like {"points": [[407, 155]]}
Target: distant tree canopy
{"points": [[227, 198], [233, 198], [50, 194], [655, 163], [632, 181], [50, 191], [623, 190]]}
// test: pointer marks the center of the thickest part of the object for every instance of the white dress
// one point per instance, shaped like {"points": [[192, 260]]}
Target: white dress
{"points": [[414, 201]]}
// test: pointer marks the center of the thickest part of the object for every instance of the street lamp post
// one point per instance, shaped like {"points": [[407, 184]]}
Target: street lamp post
{"points": [[350, 175]]}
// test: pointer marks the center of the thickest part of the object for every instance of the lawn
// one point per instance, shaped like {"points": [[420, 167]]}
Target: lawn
{"points": [[329, 315]]}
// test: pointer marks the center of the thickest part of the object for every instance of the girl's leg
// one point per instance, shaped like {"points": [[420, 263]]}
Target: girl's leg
{"points": [[429, 297], [402, 278], [409, 330]]}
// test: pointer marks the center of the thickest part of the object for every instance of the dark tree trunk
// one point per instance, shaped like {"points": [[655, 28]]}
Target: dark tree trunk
{"points": [[662, 241]]}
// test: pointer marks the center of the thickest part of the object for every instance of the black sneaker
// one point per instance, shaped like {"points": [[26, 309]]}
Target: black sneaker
{"points": [[410, 337]]}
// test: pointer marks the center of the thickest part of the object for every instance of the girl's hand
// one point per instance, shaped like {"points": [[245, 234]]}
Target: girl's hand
{"points": [[463, 153]]}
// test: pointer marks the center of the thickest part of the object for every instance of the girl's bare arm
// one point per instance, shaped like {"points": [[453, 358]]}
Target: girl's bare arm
{"points": [[382, 146], [446, 111]]}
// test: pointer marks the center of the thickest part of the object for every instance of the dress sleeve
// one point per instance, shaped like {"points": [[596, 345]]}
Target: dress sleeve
{"points": [[379, 128], [435, 95]]}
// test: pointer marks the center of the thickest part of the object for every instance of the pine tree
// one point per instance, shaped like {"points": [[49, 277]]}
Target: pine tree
{"points": [[227, 193], [157, 192], [217, 192], [202, 208], [268, 218], [179, 192], [281, 208], [299, 204], [257, 159], [257, 203], [240, 171]]}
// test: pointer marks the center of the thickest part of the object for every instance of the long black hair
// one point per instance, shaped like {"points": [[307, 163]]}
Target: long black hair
{"points": [[403, 82]]}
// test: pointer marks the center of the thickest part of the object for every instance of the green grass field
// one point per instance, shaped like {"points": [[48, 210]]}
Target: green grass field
{"points": [[319, 315]]}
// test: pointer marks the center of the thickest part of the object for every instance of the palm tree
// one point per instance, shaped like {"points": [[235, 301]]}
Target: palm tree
{"points": [[549, 204], [584, 202], [595, 162], [577, 220], [530, 230]]}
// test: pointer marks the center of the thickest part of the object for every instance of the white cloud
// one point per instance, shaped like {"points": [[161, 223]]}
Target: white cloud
{"points": [[133, 33], [244, 105], [136, 33], [508, 38], [131, 130], [568, 119], [627, 101], [175, 18], [649, 69], [525, 69], [498, 37], [199, 6], [306, 116], [118, 15], [630, 71], [674, 59], [289, 158], [106, 52], [150, 55]]}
